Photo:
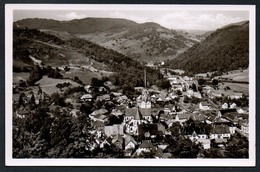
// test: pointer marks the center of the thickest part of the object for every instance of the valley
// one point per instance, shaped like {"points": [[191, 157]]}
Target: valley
{"points": [[114, 88]]}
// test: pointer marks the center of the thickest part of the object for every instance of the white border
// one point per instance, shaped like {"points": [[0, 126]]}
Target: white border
{"points": [[126, 162]]}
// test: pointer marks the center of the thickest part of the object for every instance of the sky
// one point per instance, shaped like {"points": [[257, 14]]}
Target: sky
{"points": [[180, 18]]}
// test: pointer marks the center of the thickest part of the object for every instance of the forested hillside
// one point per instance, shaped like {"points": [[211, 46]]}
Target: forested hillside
{"points": [[52, 51], [224, 50]]}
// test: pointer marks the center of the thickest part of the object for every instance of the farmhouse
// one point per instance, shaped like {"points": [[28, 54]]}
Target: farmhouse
{"points": [[204, 105]]}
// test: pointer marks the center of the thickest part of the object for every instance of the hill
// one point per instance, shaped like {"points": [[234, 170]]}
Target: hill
{"points": [[224, 50], [146, 41], [84, 58]]}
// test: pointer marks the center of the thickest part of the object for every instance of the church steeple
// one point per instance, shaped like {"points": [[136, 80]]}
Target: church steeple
{"points": [[145, 77], [146, 103]]}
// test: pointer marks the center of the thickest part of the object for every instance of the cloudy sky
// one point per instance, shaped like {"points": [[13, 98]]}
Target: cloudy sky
{"points": [[175, 18]]}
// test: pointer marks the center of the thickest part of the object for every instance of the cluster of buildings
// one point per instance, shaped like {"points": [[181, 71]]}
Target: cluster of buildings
{"points": [[139, 125]]}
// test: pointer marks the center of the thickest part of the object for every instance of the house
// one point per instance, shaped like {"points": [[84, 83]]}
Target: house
{"points": [[130, 142], [245, 127], [186, 78], [109, 85], [88, 88], [102, 89], [220, 132], [99, 115], [118, 141], [86, 97], [189, 93], [159, 153], [182, 117], [150, 130], [116, 94], [177, 87], [205, 143], [116, 129], [204, 105], [146, 146], [233, 105], [216, 94], [201, 138], [105, 97], [224, 106], [198, 117], [197, 95], [226, 112], [121, 99], [236, 96]]}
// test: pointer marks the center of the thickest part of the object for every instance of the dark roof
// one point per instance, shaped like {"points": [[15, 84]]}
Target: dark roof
{"points": [[220, 129], [228, 111], [138, 113], [147, 144], [151, 128]]}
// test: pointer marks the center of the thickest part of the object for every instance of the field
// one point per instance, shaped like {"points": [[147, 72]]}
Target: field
{"points": [[20, 76], [236, 87], [49, 84], [237, 75]]}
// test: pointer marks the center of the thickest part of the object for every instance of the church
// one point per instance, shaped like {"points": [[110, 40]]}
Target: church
{"points": [[140, 114]]}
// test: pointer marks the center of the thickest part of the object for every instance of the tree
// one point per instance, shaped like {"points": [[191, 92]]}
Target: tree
{"points": [[214, 82], [194, 87], [21, 100], [95, 82], [201, 81], [32, 102]]}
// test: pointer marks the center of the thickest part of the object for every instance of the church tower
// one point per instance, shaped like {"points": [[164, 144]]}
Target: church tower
{"points": [[146, 99]]}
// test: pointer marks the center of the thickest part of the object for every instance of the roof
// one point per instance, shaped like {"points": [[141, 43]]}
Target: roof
{"points": [[99, 112], [117, 138], [184, 116], [86, 96], [129, 139], [239, 94], [212, 118], [204, 103], [231, 113], [220, 129], [138, 113], [146, 144], [198, 117]]}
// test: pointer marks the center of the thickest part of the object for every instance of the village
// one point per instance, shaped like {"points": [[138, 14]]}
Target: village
{"points": [[193, 109]]}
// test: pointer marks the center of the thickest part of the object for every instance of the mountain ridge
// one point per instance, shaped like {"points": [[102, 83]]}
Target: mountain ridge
{"points": [[145, 41]]}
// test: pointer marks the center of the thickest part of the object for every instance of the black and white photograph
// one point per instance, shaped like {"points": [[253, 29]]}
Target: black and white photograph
{"points": [[130, 85]]}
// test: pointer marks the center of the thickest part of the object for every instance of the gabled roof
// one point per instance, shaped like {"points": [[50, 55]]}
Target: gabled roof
{"points": [[146, 144], [138, 113], [228, 113], [198, 117], [117, 138], [129, 139]]}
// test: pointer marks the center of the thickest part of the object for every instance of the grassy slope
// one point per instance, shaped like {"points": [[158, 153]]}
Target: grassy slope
{"points": [[49, 84]]}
